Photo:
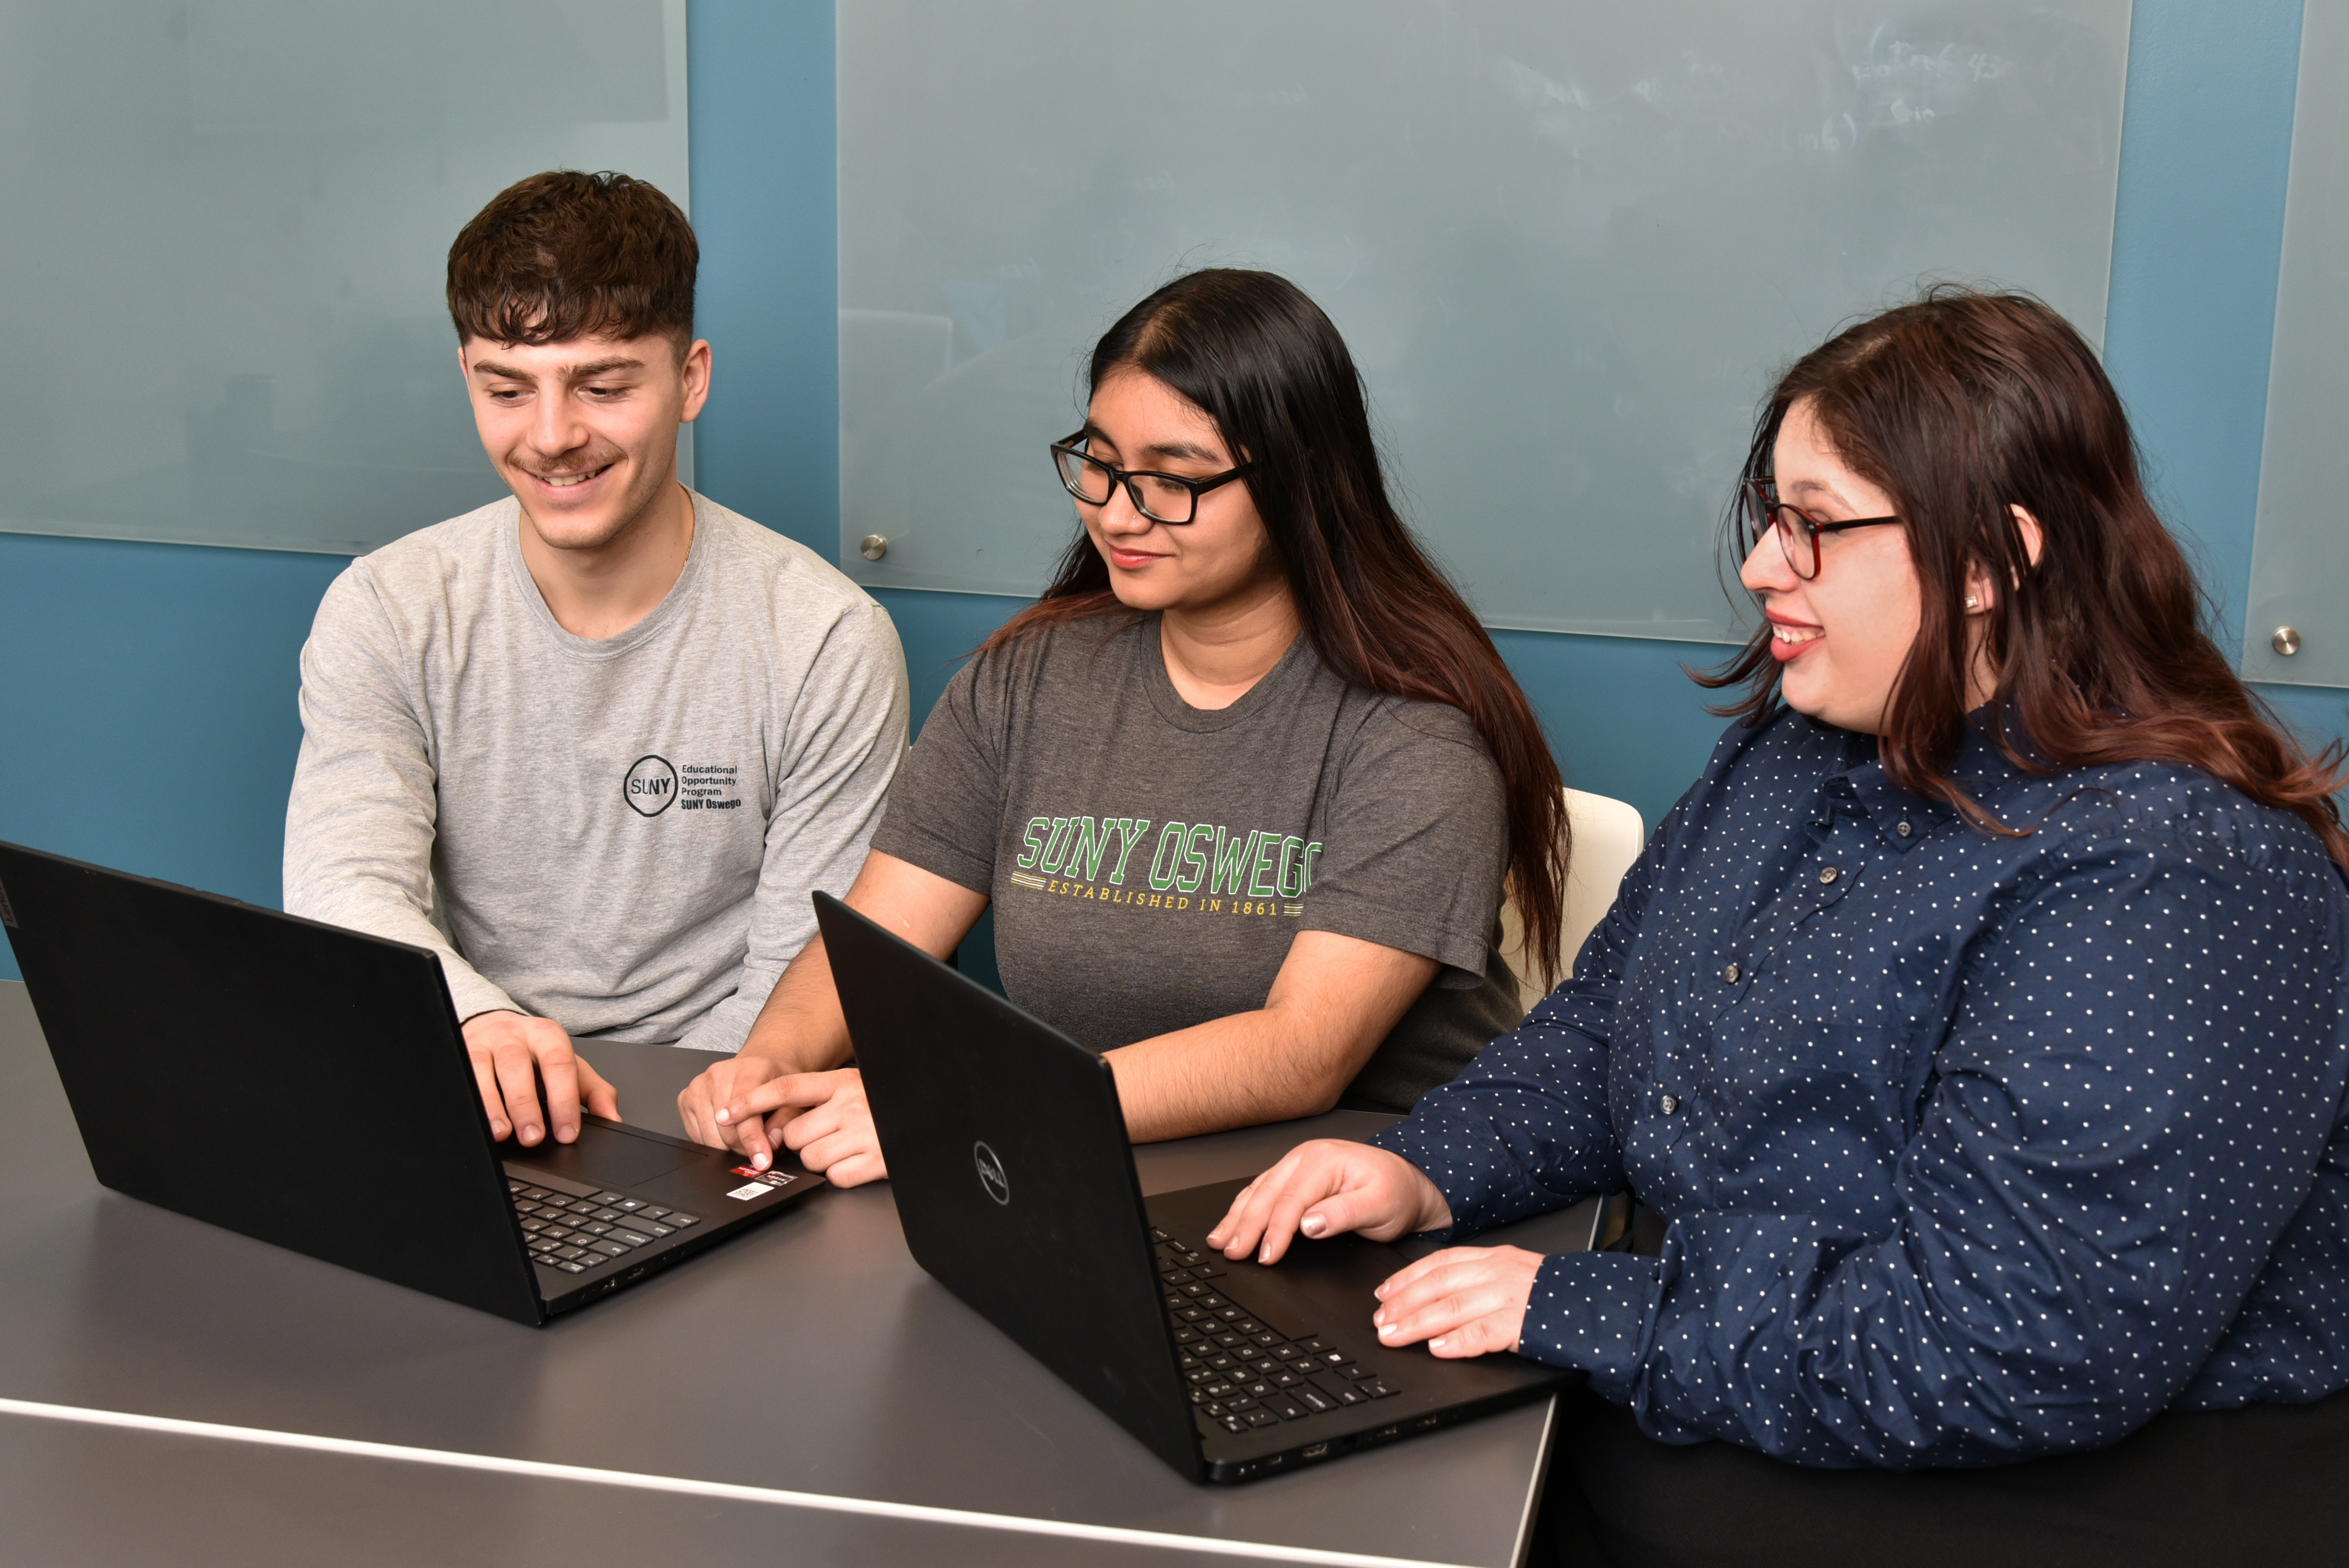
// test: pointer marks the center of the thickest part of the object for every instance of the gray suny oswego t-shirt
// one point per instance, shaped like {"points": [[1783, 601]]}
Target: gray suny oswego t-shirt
{"points": [[1150, 861]]}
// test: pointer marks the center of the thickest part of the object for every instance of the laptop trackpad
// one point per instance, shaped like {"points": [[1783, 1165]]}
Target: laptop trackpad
{"points": [[1320, 1287], [603, 1157]]}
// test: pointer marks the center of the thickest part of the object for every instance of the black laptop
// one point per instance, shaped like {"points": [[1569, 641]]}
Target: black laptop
{"points": [[267, 1073], [1017, 1188]]}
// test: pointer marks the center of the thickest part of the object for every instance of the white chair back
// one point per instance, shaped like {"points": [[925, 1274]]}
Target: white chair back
{"points": [[1607, 836]]}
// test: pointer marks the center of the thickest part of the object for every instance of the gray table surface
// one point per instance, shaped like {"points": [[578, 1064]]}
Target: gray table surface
{"points": [[805, 1392]]}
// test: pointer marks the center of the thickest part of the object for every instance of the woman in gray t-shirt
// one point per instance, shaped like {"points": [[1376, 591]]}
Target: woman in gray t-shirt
{"points": [[1245, 786]]}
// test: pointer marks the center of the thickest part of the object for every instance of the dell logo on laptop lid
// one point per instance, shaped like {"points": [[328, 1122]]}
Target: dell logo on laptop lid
{"points": [[990, 1173]]}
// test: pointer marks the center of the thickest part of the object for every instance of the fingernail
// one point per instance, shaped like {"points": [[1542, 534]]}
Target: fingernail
{"points": [[758, 1162], [1314, 1225], [1381, 1293], [1214, 1238], [530, 1133], [1436, 1344], [722, 1117], [1264, 1255], [1388, 1331], [565, 1134]]}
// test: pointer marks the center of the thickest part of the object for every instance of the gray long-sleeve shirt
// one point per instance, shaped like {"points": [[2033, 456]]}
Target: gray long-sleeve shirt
{"points": [[618, 834]]}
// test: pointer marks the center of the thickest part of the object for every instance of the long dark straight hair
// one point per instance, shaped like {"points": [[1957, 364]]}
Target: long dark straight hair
{"points": [[1261, 360], [1962, 407]]}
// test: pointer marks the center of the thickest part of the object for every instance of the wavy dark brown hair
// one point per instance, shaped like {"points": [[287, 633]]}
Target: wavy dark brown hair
{"points": [[1963, 405], [562, 255], [1257, 356]]}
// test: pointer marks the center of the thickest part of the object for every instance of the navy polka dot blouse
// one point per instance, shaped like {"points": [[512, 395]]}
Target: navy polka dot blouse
{"points": [[1971, 1147]]}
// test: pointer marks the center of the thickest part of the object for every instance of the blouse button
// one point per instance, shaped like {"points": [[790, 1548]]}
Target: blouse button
{"points": [[1829, 873], [1731, 974], [1904, 830], [1670, 1104]]}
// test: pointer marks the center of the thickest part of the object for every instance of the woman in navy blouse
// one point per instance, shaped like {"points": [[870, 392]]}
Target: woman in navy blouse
{"points": [[1976, 1025]]}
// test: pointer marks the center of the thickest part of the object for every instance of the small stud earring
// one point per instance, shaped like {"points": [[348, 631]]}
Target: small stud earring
{"points": [[1972, 603]]}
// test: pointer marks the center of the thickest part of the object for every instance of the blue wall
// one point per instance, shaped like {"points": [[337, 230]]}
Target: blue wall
{"points": [[147, 715], [2197, 238], [2206, 151], [147, 692]]}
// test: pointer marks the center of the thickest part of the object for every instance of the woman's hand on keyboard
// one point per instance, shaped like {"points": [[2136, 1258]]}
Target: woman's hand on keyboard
{"points": [[1464, 1301], [1325, 1188]]}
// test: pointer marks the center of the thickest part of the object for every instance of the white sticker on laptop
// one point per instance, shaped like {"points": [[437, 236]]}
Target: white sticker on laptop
{"points": [[750, 1190]]}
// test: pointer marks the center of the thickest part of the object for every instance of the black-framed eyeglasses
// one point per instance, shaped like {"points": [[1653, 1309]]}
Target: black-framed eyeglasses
{"points": [[1798, 531], [1161, 498]]}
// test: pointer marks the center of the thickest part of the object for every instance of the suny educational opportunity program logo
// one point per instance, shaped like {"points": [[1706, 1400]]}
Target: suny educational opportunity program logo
{"points": [[651, 786]]}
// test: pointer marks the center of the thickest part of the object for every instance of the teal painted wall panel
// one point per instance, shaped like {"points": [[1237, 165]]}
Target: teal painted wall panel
{"points": [[2319, 715], [1622, 717], [2197, 237], [762, 123], [147, 706]]}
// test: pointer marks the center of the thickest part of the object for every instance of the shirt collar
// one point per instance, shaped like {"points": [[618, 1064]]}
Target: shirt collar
{"points": [[1980, 769]]}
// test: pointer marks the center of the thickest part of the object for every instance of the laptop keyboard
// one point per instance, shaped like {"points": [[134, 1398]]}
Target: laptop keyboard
{"points": [[1244, 1373], [572, 1227]]}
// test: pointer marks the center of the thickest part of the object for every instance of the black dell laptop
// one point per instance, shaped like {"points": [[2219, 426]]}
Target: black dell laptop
{"points": [[1017, 1188], [200, 1040]]}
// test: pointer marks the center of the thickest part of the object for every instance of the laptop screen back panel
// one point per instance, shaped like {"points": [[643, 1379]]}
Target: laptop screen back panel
{"points": [[231, 1064], [1014, 1182]]}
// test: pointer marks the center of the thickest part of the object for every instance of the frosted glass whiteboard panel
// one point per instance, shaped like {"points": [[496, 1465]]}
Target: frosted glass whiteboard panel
{"points": [[2300, 556], [227, 226], [1569, 243]]}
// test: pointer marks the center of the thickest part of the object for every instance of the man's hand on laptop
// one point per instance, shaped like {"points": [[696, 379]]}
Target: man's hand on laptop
{"points": [[504, 1046], [1323, 1189], [751, 1105]]}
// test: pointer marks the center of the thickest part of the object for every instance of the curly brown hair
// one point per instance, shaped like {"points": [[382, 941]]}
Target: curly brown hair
{"points": [[563, 254]]}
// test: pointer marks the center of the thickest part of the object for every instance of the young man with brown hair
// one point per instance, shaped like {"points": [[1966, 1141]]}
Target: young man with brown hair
{"points": [[594, 743]]}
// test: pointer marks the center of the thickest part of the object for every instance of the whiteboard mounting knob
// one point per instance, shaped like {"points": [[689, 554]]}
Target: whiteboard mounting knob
{"points": [[876, 545], [2286, 640]]}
